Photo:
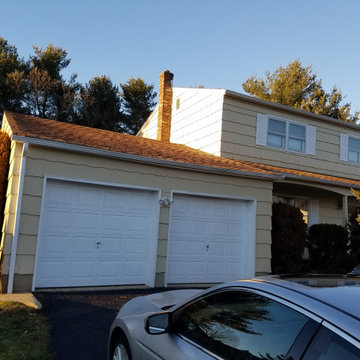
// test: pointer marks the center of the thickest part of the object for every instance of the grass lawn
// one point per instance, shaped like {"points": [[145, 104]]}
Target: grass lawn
{"points": [[24, 333]]}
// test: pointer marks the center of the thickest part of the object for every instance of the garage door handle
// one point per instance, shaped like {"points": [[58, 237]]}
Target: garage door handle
{"points": [[207, 247], [98, 242]]}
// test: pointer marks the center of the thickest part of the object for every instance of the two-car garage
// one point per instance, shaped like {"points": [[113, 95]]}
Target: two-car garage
{"points": [[98, 235]]}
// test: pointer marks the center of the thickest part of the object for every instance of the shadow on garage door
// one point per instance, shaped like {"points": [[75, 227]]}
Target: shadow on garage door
{"points": [[80, 321]]}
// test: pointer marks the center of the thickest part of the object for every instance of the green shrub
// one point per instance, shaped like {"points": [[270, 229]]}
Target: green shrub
{"points": [[328, 249], [354, 236], [288, 239]]}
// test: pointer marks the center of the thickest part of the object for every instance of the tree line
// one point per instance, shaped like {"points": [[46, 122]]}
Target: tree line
{"points": [[37, 87]]}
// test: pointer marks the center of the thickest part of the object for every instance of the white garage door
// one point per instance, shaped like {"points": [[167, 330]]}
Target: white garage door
{"points": [[96, 235], [210, 240]]}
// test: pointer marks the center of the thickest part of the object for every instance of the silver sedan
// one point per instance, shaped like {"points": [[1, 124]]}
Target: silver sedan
{"points": [[260, 319]]}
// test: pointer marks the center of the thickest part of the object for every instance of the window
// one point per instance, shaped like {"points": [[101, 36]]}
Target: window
{"points": [[354, 149], [241, 325], [349, 148], [329, 346], [285, 134]]}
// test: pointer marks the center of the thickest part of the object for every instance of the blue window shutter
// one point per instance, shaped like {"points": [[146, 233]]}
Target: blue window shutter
{"points": [[310, 140], [261, 129], [344, 147]]}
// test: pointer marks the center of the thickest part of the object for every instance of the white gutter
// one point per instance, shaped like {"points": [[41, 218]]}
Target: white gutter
{"points": [[17, 218], [144, 159]]}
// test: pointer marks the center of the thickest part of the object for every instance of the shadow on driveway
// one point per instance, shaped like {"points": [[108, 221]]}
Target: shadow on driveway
{"points": [[80, 321]]}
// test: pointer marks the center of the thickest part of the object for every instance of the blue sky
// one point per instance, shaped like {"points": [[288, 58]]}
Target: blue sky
{"points": [[215, 43]]}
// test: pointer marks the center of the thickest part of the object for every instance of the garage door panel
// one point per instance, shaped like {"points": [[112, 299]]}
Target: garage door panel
{"points": [[83, 246], [111, 246], [58, 220], [85, 222], [57, 244], [196, 248], [136, 247], [60, 196], [89, 199], [98, 235], [205, 235], [84, 269], [112, 223], [137, 224], [51, 268]]}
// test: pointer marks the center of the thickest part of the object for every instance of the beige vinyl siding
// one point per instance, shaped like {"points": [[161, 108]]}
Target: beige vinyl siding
{"points": [[197, 120], [239, 141], [149, 129], [54, 163], [330, 211]]}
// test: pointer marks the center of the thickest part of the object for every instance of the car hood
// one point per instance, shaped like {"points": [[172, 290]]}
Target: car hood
{"points": [[157, 302]]}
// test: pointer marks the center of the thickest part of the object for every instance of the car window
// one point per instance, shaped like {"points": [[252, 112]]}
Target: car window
{"points": [[329, 346], [241, 325]]}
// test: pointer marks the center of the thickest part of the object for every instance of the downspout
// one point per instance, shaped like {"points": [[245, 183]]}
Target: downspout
{"points": [[17, 218]]}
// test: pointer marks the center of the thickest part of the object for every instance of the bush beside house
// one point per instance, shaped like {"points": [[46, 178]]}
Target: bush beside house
{"points": [[328, 249], [332, 248]]}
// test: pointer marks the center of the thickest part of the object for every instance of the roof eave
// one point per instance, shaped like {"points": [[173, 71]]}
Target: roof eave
{"points": [[276, 106], [144, 159], [320, 181]]}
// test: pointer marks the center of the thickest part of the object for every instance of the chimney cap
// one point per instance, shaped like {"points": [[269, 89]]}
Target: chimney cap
{"points": [[168, 76]]}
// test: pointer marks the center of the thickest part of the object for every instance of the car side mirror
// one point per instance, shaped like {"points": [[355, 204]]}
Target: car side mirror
{"points": [[157, 324]]}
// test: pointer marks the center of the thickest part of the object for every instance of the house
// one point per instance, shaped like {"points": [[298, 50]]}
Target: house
{"points": [[89, 207], [309, 151]]}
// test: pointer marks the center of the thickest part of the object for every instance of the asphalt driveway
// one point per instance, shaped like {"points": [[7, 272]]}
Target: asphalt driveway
{"points": [[80, 321]]}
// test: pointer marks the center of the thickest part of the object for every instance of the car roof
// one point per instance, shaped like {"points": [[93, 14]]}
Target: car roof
{"points": [[337, 305], [338, 292]]}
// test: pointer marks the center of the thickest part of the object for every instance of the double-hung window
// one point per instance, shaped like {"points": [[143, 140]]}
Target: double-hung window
{"points": [[285, 134], [349, 148], [354, 149]]}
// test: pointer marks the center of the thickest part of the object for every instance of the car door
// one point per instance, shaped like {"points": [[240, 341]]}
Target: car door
{"points": [[233, 324]]}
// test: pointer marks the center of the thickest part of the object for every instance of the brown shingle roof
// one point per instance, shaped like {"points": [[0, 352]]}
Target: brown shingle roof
{"points": [[39, 128], [308, 175]]}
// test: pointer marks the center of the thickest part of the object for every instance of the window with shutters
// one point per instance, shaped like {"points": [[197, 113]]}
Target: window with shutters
{"points": [[350, 148], [354, 149], [285, 134]]}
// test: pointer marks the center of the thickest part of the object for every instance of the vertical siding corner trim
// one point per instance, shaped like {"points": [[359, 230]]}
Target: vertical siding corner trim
{"points": [[17, 218]]}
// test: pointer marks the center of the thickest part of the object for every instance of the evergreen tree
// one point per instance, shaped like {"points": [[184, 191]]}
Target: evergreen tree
{"points": [[12, 70], [138, 102], [101, 104], [48, 93], [297, 86]]}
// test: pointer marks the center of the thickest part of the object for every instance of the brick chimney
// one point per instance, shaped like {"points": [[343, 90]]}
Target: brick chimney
{"points": [[164, 107]]}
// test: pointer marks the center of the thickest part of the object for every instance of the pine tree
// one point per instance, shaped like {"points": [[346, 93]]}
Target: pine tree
{"points": [[297, 86], [138, 102]]}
